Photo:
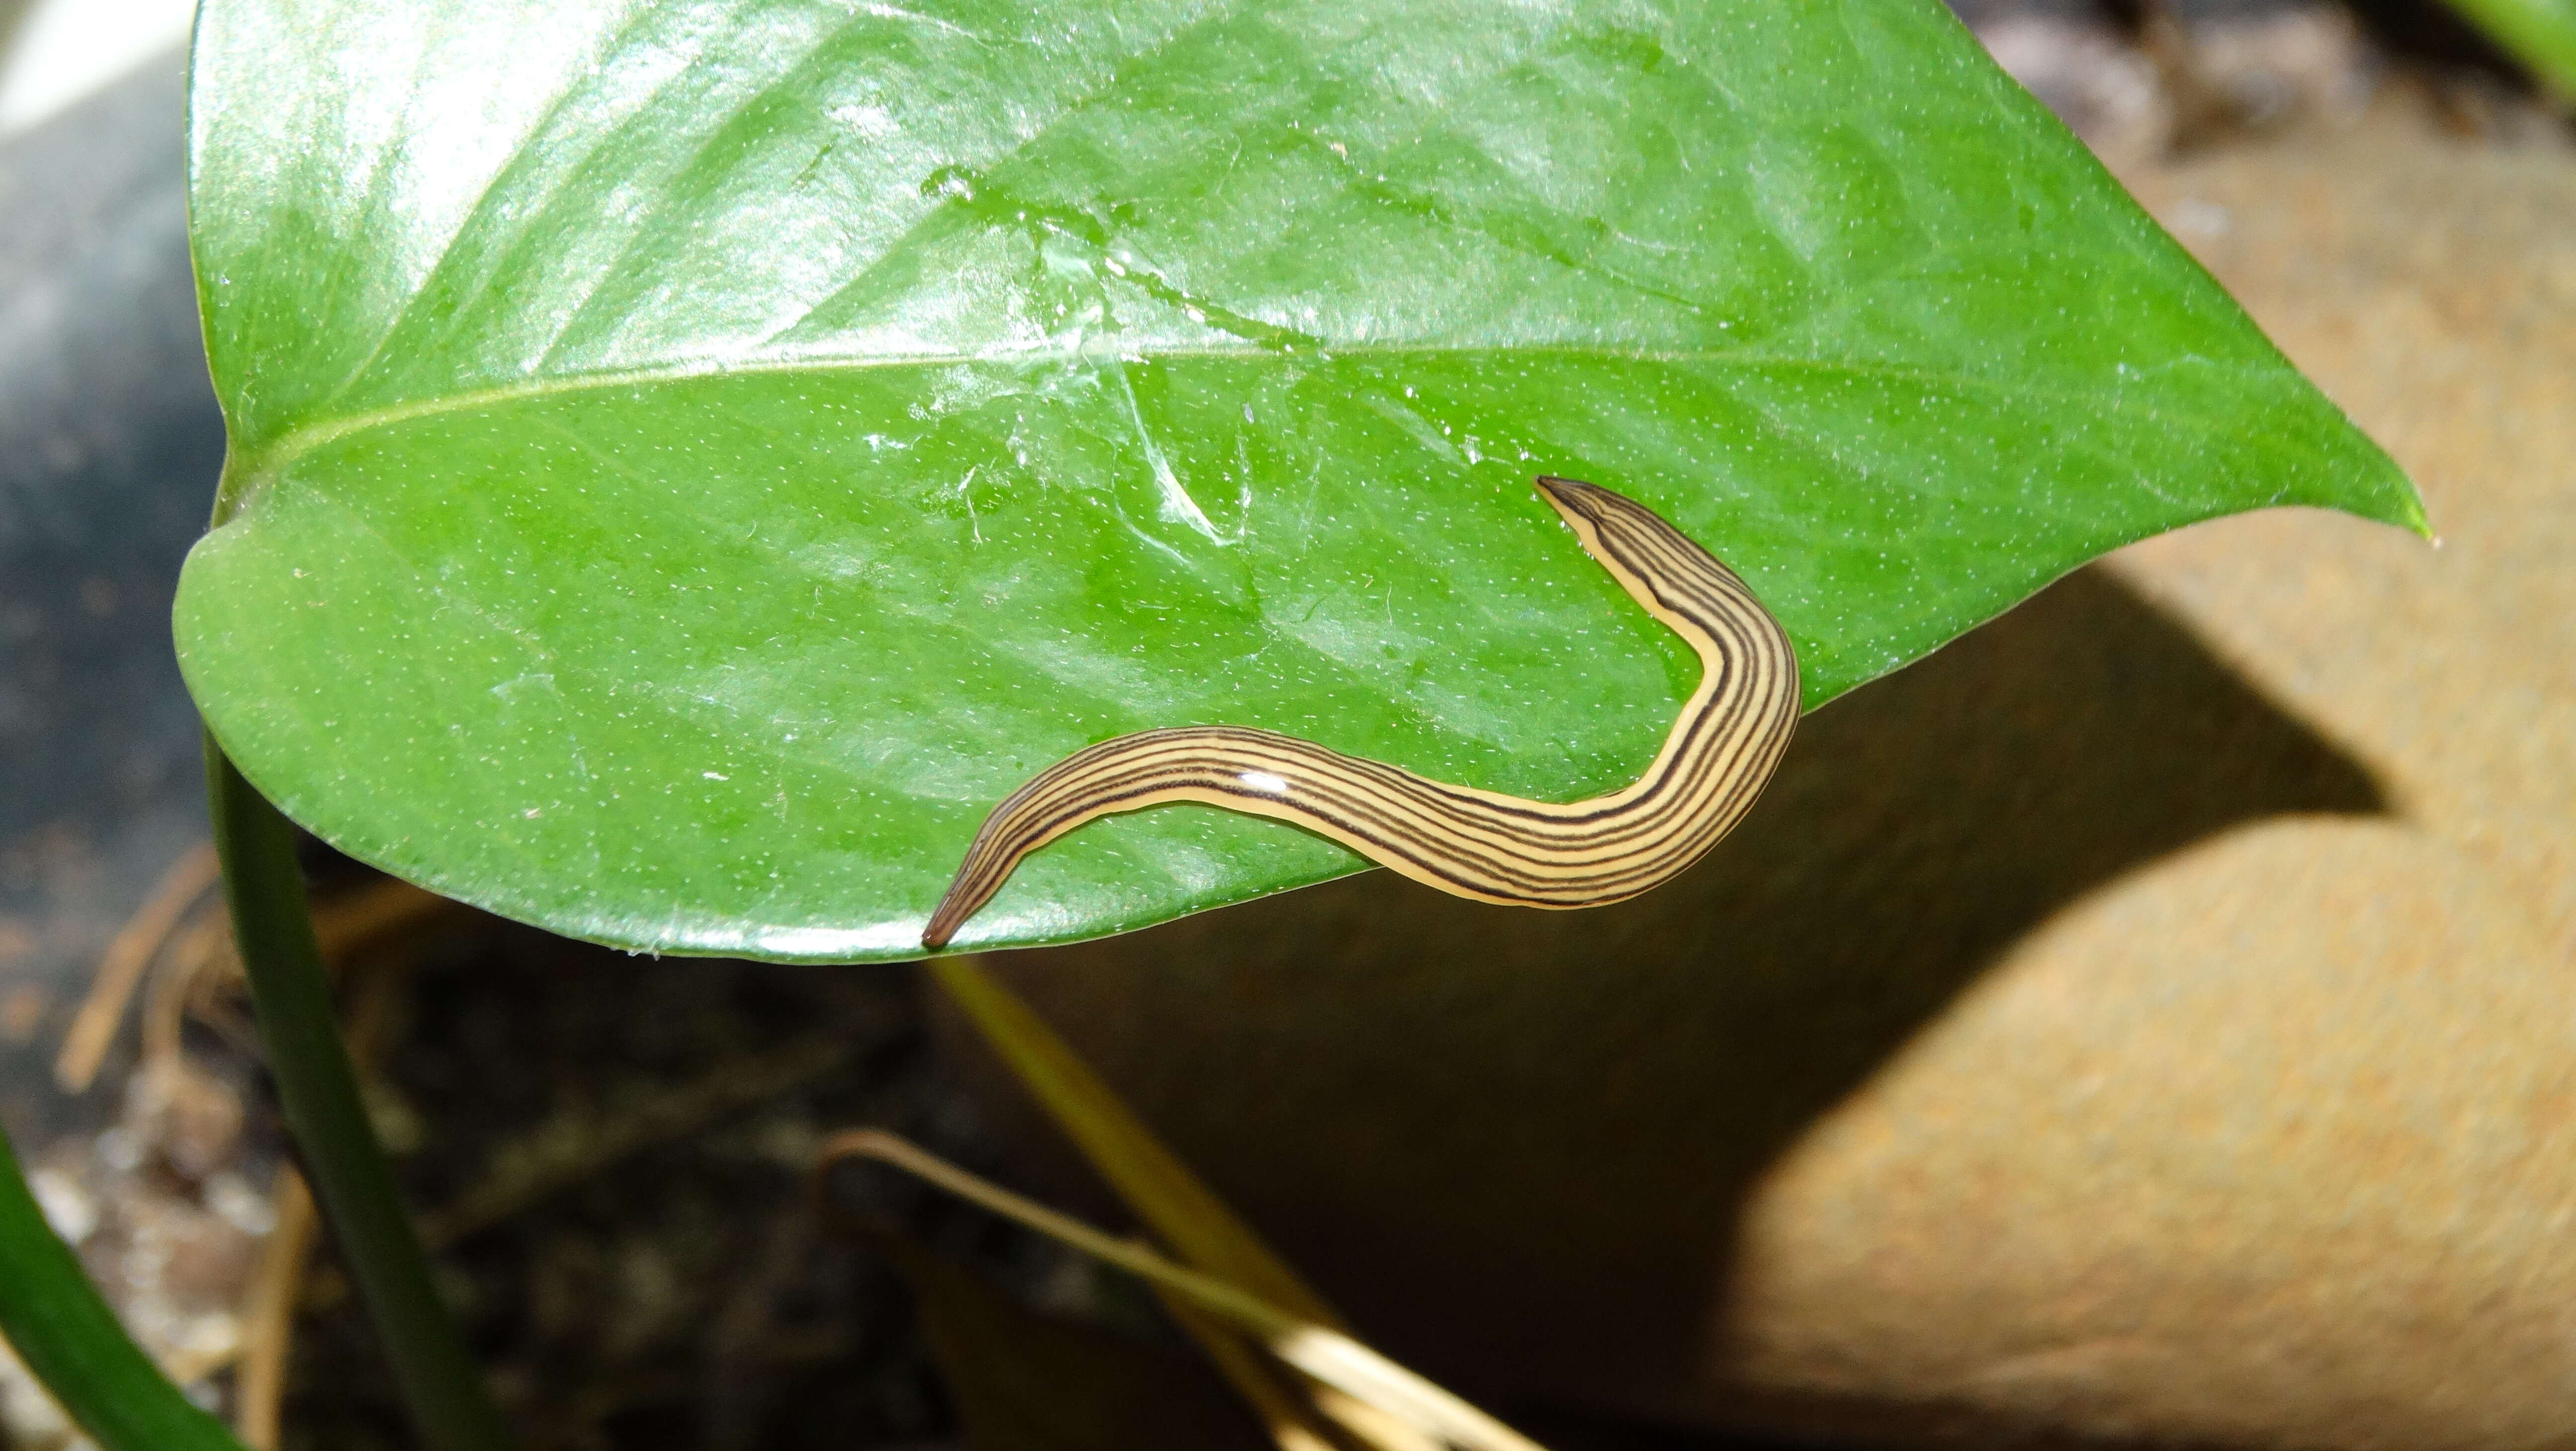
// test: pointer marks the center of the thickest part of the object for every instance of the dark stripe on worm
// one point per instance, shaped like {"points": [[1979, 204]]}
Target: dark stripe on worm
{"points": [[1481, 844]]}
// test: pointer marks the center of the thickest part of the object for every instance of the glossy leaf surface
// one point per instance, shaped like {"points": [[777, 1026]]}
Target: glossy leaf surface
{"points": [[691, 459]]}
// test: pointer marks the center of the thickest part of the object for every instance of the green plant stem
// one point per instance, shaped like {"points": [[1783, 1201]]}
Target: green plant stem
{"points": [[319, 1092], [2539, 33], [65, 1333]]}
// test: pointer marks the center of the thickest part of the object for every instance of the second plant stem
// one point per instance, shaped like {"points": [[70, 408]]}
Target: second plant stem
{"points": [[318, 1090]]}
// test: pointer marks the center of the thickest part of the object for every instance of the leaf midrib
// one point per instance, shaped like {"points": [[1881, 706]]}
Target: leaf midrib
{"points": [[248, 472]]}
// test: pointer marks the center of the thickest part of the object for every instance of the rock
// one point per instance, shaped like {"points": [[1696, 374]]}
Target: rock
{"points": [[2152, 1019]]}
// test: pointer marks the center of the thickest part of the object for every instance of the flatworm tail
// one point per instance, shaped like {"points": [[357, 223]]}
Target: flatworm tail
{"points": [[1480, 844]]}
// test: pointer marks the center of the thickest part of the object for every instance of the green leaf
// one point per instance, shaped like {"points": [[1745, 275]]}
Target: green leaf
{"points": [[2539, 33], [60, 1327], [689, 461]]}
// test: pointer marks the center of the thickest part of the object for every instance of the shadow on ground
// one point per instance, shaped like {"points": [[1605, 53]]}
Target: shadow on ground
{"points": [[1513, 1145]]}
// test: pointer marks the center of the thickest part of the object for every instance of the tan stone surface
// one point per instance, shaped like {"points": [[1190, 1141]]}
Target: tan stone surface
{"points": [[2151, 1019], [2266, 1145]]}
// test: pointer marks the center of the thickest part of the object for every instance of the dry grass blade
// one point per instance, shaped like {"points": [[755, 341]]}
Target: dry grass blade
{"points": [[1184, 1213], [342, 924], [180, 939], [1325, 1354], [569, 1150], [156, 929], [268, 1315], [1286, 1413], [202, 951], [1300, 1415], [120, 968]]}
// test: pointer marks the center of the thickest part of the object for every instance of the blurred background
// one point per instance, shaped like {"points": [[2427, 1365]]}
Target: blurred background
{"points": [[2151, 1020]]}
